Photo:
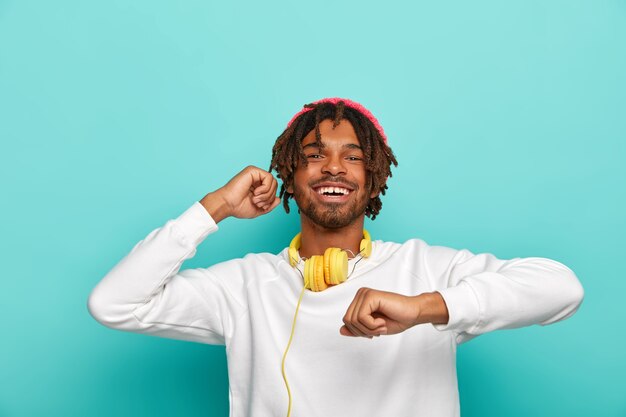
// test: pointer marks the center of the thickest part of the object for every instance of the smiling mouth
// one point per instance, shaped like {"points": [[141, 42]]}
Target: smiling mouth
{"points": [[333, 191]]}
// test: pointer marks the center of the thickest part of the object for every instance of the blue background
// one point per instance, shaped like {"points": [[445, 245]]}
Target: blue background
{"points": [[508, 120]]}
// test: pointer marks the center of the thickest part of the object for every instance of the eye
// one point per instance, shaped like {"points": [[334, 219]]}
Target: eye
{"points": [[354, 158], [314, 156]]}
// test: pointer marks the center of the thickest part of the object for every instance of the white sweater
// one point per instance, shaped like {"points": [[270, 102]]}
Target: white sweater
{"points": [[248, 305]]}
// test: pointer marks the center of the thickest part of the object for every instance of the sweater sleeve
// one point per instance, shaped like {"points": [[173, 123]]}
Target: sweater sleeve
{"points": [[484, 293], [146, 293]]}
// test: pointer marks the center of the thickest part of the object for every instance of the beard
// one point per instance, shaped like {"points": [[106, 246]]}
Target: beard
{"points": [[327, 214]]}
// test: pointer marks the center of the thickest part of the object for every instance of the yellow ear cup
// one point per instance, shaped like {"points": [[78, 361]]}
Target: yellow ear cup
{"points": [[317, 280], [337, 260], [327, 253], [366, 244], [294, 258], [340, 267]]}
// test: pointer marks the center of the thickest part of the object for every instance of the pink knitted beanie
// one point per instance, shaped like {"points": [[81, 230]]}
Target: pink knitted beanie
{"points": [[348, 103]]}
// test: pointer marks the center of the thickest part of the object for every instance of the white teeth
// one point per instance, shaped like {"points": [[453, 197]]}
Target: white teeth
{"points": [[334, 190]]}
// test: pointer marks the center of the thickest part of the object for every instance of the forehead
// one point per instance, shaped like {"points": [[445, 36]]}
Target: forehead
{"points": [[342, 134]]}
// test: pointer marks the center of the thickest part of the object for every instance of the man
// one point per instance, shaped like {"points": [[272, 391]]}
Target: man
{"points": [[333, 159]]}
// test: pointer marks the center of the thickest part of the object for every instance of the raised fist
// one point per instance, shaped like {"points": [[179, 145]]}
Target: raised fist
{"points": [[249, 194]]}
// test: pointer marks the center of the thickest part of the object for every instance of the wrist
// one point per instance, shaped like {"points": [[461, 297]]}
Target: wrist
{"points": [[431, 308], [216, 206]]}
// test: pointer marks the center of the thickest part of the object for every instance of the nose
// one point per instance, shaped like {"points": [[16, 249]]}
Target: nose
{"points": [[333, 165]]}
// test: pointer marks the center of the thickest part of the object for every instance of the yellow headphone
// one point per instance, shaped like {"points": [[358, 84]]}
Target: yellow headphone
{"points": [[322, 271]]}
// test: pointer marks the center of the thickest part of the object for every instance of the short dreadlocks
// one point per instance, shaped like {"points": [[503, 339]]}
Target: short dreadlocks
{"points": [[378, 157]]}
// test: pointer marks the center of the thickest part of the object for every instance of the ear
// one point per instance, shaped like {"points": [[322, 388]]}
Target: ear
{"points": [[289, 188]]}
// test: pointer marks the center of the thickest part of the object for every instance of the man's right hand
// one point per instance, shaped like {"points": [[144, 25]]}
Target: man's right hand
{"points": [[248, 194]]}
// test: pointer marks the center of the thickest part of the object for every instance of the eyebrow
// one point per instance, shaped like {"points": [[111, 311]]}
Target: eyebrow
{"points": [[346, 146]]}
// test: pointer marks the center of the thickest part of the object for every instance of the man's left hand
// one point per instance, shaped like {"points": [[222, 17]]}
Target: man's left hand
{"points": [[374, 312]]}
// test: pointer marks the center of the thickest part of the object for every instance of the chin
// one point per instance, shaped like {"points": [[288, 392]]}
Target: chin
{"points": [[331, 218]]}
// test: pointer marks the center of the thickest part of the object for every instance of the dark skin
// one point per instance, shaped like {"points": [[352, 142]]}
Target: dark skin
{"points": [[338, 164], [330, 221]]}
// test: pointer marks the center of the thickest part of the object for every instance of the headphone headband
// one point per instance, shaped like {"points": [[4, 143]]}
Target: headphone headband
{"points": [[365, 247]]}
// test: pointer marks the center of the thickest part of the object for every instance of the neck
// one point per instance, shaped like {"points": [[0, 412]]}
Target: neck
{"points": [[315, 239]]}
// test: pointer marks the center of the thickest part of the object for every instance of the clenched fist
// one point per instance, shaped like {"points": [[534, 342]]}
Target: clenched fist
{"points": [[374, 313], [249, 194]]}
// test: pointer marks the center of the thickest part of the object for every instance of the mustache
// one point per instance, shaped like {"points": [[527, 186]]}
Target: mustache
{"points": [[330, 178]]}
